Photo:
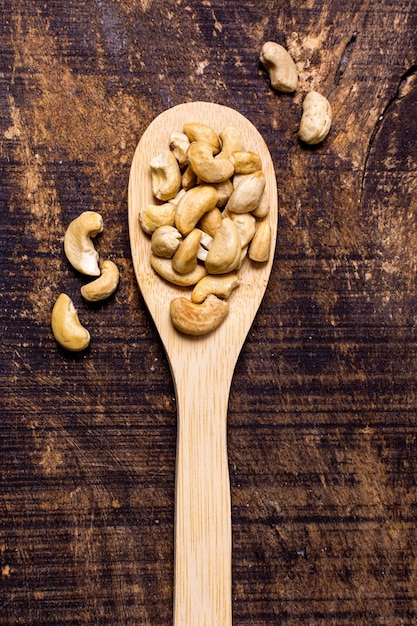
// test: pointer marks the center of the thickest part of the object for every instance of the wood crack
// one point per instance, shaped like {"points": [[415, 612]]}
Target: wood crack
{"points": [[345, 58], [406, 84]]}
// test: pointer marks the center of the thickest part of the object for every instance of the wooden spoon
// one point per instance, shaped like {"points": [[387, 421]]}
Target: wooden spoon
{"points": [[202, 370]]}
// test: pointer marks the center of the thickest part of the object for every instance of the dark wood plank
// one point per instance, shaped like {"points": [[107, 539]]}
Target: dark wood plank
{"points": [[324, 400]]}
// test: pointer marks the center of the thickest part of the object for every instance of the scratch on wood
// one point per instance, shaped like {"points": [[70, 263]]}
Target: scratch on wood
{"points": [[345, 58]]}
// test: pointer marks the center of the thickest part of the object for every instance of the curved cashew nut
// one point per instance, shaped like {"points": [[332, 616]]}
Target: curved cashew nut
{"points": [[198, 319], [220, 285], [194, 203], [66, 326], [165, 176], [78, 247], [195, 131], [316, 119], [224, 254], [164, 268], [184, 260], [208, 169], [232, 141], [247, 195], [103, 286], [280, 67], [153, 216]]}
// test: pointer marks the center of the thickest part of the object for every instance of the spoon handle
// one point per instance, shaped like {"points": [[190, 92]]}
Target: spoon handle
{"points": [[203, 545]]}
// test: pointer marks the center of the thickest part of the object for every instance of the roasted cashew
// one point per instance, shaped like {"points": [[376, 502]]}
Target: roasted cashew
{"points": [[179, 144], [103, 286], [211, 221], [247, 194], [165, 241], [232, 141], [165, 176], [220, 285], [260, 246], [192, 206], [66, 326], [198, 319], [224, 254], [195, 131], [164, 268], [316, 119], [184, 260], [153, 216], [245, 162], [206, 167], [78, 247], [280, 67]]}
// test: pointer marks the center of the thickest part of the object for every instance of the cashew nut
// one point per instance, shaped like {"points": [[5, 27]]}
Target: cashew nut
{"points": [[224, 254], [78, 247], [245, 162], [189, 178], [262, 209], [232, 141], [164, 268], [165, 241], [207, 168], [153, 216], [220, 285], [195, 131], [192, 206], [198, 319], [179, 143], [165, 176], [280, 67], [247, 195], [259, 249], [316, 119], [184, 260], [246, 225], [211, 221], [224, 191], [66, 326], [103, 286]]}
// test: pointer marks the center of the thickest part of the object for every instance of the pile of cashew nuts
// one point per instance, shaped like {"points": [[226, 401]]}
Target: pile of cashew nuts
{"points": [[212, 201], [212, 196], [80, 252]]}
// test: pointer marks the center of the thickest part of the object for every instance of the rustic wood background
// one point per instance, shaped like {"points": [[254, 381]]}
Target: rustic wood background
{"points": [[323, 406]]}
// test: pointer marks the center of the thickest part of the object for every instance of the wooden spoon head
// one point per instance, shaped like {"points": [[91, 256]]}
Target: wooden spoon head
{"points": [[228, 338]]}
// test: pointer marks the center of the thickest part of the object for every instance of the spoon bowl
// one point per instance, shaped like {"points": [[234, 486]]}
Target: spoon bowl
{"points": [[202, 369]]}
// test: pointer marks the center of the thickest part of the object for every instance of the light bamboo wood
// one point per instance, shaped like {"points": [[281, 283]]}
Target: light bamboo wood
{"points": [[202, 369]]}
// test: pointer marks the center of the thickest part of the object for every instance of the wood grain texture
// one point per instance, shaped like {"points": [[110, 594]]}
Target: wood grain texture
{"points": [[323, 404]]}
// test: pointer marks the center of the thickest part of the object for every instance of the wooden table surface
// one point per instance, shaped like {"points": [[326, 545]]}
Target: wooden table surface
{"points": [[323, 405]]}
